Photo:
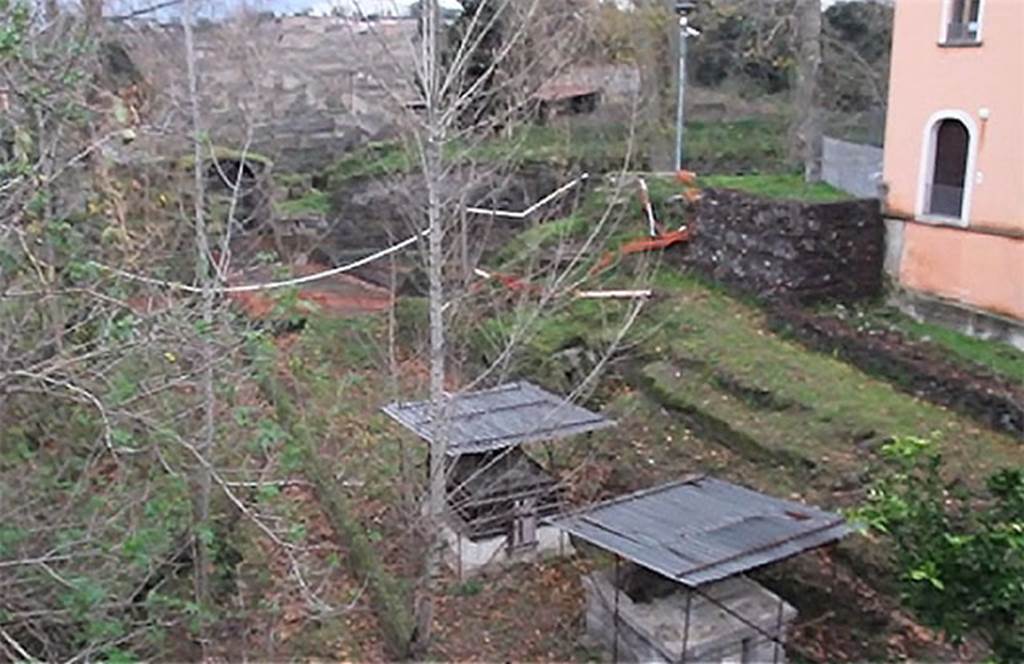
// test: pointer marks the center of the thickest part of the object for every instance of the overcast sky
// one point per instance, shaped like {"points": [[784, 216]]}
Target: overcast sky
{"points": [[317, 7]]}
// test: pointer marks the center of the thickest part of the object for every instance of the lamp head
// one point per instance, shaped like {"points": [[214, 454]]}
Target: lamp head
{"points": [[684, 7]]}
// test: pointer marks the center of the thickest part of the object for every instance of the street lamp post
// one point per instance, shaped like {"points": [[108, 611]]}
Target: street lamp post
{"points": [[683, 9]]}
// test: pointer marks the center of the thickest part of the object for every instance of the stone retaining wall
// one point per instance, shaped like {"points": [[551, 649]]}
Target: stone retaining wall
{"points": [[789, 250], [303, 89]]}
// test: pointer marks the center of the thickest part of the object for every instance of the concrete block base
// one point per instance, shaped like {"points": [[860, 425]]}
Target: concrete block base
{"points": [[468, 558], [959, 317], [657, 630]]}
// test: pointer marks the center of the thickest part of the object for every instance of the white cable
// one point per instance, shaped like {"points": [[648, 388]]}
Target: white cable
{"points": [[533, 208], [613, 294], [248, 288]]}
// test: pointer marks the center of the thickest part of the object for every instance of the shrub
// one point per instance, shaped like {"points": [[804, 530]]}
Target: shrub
{"points": [[959, 553]]}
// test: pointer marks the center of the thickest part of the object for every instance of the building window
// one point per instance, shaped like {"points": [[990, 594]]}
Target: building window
{"points": [[944, 195], [963, 22]]}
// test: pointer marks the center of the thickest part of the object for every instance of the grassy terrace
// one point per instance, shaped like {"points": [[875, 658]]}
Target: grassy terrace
{"points": [[999, 358], [710, 362], [780, 186], [752, 146], [700, 361], [700, 385]]}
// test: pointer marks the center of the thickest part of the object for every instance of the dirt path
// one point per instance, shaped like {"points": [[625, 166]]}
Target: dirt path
{"points": [[277, 615]]}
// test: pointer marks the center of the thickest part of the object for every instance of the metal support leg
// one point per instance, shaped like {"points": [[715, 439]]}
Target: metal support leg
{"points": [[686, 626], [459, 553], [615, 619], [778, 633], [835, 576]]}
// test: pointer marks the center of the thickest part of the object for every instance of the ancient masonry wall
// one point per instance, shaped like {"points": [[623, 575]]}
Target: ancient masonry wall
{"points": [[304, 89], [301, 89], [789, 250]]}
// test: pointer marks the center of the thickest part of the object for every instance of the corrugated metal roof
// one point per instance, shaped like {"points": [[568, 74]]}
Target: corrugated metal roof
{"points": [[702, 529], [502, 416], [560, 91]]}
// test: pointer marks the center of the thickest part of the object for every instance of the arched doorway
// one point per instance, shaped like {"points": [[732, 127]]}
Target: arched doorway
{"points": [[952, 142]]}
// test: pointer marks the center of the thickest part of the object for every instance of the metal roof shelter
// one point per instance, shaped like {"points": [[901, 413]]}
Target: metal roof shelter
{"points": [[500, 417], [702, 529]]}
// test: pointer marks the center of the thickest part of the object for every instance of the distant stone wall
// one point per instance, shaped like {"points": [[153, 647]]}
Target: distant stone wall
{"points": [[855, 168], [789, 249], [304, 89]]}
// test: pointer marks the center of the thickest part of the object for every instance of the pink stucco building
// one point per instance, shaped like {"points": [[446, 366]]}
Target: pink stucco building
{"points": [[954, 163]]}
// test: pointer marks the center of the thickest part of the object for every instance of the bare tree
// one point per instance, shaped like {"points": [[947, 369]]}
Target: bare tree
{"points": [[109, 403], [449, 183], [206, 278], [113, 405], [431, 141]]}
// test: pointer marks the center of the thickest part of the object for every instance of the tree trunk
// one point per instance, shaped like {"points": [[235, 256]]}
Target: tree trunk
{"points": [[93, 14], [432, 163], [201, 477], [657, 84], [809, 127]]}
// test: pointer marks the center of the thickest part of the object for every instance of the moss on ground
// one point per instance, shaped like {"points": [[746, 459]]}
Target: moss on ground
{"points": [[223, 153], [313, 202]]}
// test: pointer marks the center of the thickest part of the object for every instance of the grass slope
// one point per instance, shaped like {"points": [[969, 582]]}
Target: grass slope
{"points": [[744, 146], [710, 359], [702, 387], [779, 186]]}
